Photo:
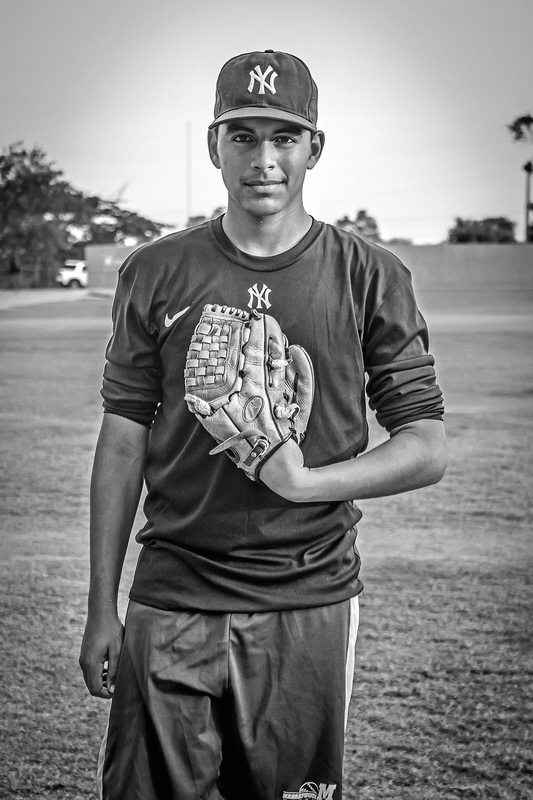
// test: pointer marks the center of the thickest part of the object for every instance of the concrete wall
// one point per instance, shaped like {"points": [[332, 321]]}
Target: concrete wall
{"points": [[458, 266], [471, 278], [457, 270], [103, 262]]}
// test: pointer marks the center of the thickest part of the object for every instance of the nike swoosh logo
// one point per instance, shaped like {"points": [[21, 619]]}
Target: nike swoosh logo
{"points": [[171, 320]]}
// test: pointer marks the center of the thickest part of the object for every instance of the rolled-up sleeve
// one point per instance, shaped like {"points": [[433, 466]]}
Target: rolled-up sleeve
{"points": [[131, 383], [401, 384]]}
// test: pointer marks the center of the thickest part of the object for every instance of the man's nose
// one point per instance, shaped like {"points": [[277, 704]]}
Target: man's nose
{"points": [[264, 156]]}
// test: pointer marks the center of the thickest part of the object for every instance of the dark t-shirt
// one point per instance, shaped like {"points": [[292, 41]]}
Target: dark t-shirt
{"points": [[214, 540]]}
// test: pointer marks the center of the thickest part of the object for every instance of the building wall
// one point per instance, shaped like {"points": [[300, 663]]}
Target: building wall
{"points": [[471, 278], [441, 267], [103, 262], [456, 266]]}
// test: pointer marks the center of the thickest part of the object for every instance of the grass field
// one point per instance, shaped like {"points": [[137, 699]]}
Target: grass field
{"points": [[443, 697]]}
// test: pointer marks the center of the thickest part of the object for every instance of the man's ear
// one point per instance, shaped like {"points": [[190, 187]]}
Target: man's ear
{"points": [[212, 144], [318, 141]]}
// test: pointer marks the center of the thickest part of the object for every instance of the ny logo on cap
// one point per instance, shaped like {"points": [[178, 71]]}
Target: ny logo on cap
{"points": [[261, 78]]}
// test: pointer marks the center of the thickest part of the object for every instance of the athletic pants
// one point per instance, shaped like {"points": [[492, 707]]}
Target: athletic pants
{"points": [[235, 706]]}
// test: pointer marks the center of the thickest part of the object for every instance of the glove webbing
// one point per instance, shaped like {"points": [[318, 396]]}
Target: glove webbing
{"points": [[206, 363]]}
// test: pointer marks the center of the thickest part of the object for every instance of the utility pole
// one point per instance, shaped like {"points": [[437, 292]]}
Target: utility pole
{"points": [[188, 155], [528, 169]]}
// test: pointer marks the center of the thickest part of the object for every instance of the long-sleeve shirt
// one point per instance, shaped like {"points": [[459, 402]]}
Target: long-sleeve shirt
{"points": [[213, 540]]}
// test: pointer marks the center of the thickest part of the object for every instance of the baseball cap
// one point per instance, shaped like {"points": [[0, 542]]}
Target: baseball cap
{"points": [[267, 84]]}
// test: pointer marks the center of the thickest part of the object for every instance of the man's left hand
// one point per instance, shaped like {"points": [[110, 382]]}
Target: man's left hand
{"points": [[284, 472]]}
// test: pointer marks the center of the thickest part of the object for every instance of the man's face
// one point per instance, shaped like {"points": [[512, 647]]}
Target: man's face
{"points": [[264, 162]]}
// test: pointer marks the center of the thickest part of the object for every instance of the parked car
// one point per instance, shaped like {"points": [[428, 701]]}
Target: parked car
{"points": [[73, 274]]}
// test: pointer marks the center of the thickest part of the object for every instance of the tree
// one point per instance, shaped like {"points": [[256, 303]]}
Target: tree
{"points": [[399, 240], [104, 222], [522, 131], [199, 219], [522, 128], [43, 219], [34, 206], [363, 225], [498, 230]]}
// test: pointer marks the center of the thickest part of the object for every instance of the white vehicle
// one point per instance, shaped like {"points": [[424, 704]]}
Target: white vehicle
{"points": [[73, 274]]}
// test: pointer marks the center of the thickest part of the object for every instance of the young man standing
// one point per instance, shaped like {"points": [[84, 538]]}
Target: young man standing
{"points": [[236, 664]]}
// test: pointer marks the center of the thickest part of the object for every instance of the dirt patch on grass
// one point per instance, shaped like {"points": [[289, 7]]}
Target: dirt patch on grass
{"points": [[443, 697]]}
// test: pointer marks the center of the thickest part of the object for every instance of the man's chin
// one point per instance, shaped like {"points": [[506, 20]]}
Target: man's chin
{"points": [[263, 207]]}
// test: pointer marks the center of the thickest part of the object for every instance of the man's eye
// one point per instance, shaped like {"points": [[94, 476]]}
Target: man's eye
{"points": [[285, 139], [242, 137]]}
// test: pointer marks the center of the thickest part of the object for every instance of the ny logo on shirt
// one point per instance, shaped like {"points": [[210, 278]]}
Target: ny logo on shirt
{"points": [[259, 296]]}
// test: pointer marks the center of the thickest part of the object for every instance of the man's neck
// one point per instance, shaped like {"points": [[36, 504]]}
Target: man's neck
{"points": [[266, 236]]}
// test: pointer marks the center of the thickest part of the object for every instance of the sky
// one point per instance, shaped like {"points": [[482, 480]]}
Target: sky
{"points": [[414, 99]]}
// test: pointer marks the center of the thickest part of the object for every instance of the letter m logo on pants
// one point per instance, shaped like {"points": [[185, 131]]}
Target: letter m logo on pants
{"points": [[325, 792]]}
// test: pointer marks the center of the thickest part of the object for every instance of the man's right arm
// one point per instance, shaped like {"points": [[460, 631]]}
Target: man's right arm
{"points": [[116, 485]]}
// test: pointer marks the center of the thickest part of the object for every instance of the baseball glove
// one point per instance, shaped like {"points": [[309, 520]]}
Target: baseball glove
{"points": [[250, 390]]}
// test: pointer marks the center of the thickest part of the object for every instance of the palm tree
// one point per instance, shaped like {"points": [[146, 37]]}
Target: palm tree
{"points": [[522, 131]]}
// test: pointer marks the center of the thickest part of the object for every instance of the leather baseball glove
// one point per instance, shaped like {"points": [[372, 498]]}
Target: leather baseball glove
{"points": [[250, 390]]}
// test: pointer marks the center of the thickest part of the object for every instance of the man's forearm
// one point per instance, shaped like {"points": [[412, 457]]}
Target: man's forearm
{"points": [[413, 457], [115, 491]]}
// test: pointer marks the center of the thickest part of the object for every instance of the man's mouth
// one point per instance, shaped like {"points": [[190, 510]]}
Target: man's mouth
{"points": [[263, 183]]}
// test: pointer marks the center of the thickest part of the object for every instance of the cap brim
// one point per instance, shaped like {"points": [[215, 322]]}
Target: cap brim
{"points": [[265, 113]]}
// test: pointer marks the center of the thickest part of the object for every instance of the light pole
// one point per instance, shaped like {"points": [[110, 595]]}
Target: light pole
{"points": [[188, 156], [528, 169]]}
